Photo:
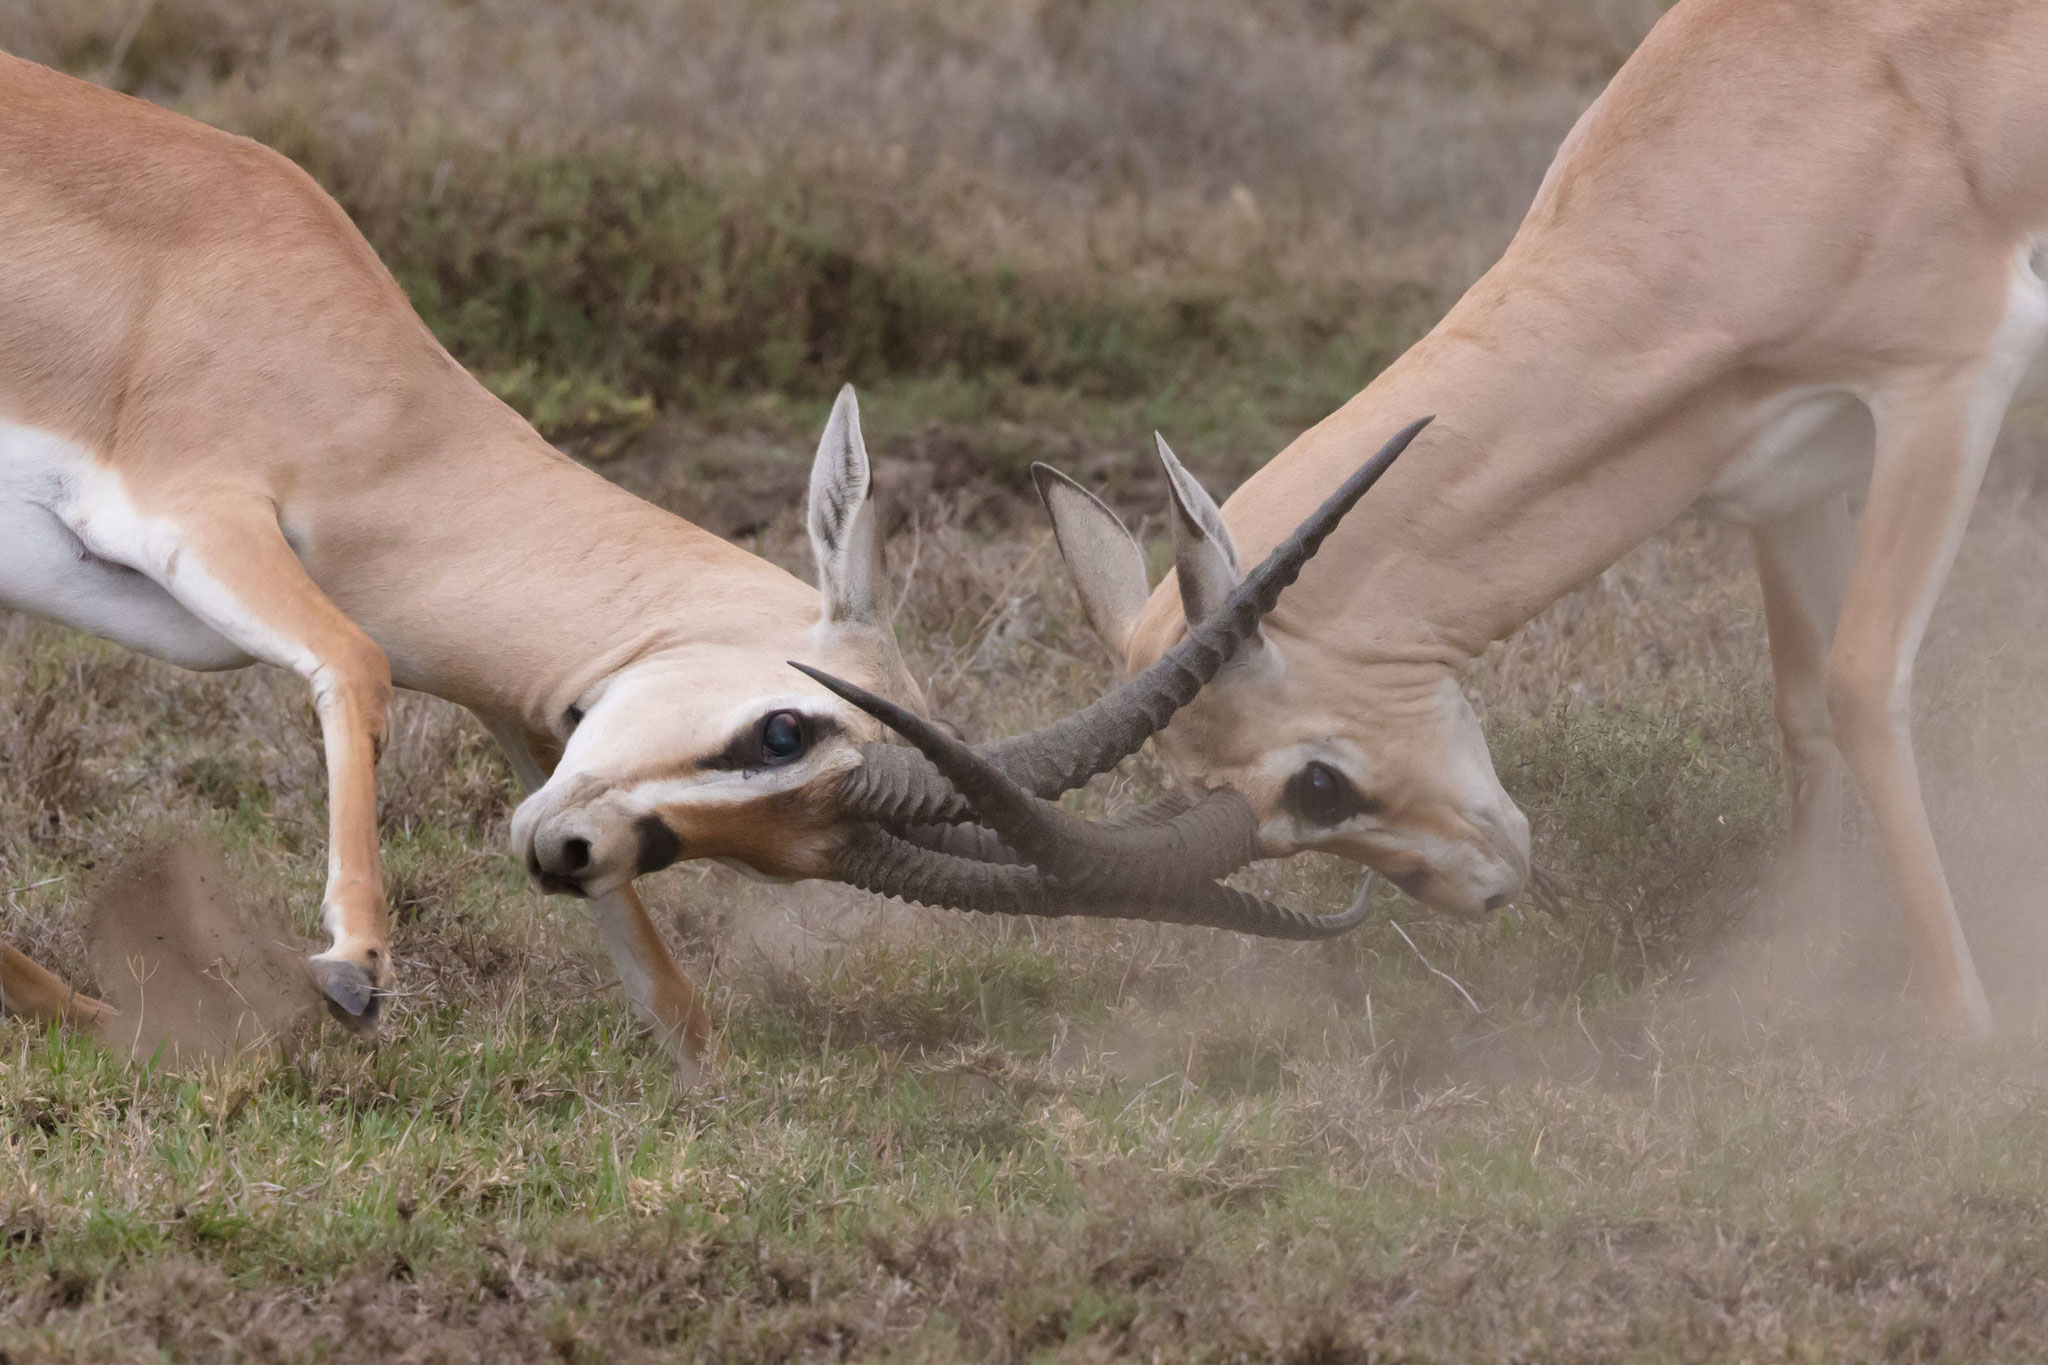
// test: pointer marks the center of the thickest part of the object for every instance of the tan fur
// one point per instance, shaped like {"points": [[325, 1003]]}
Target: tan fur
{"points": [[1773, 196], [331, 492], [33, 992]]}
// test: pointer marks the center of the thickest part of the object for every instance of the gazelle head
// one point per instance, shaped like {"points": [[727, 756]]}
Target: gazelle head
{"points": [[708, 745], [1380, 762], [716, 748]]}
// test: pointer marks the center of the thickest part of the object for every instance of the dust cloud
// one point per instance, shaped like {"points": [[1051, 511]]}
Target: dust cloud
{"points": [[195, 972]]}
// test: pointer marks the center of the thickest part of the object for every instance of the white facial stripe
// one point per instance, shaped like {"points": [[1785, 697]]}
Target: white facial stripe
{"points": [[735, 721], [717, 787]]}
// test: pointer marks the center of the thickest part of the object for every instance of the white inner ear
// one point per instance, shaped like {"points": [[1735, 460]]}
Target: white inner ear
{"points": [[1204, 555], [841, 519], [1107, 567]]}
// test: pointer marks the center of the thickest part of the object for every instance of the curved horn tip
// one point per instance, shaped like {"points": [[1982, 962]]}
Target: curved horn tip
{"points": [[926, 735]]}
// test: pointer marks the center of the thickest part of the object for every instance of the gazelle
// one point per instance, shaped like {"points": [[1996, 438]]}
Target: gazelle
{"points": [[225, 437], [1784, 258]]}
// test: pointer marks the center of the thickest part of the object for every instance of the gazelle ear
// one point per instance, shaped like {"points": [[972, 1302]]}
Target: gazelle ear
{"points": [[842, 519], [1204, 555], [1107, 567]]}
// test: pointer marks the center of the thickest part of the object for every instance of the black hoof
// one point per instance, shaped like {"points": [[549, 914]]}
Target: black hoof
{"points": [[352, 997]]}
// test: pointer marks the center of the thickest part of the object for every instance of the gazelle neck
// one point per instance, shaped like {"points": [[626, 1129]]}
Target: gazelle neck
{"points": [[1562, 439], [530, 578]]}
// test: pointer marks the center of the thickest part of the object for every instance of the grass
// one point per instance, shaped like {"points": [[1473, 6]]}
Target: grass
{"points": [[933, 1136], [1582, 1131], [522, 1182]]}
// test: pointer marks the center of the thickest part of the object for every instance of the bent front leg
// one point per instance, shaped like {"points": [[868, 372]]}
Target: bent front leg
{"points": [[663, 998], [234, 570]]}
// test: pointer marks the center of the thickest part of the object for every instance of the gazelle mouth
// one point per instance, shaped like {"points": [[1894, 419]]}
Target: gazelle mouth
{"points": [[558, 886], [943, 823]]}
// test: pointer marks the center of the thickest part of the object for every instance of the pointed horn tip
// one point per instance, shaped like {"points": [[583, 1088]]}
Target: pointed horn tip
{"points": [[901, 719], [822, 678], [1367, 474], [838, 687]]}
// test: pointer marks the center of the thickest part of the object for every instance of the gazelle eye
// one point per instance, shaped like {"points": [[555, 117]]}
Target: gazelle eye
{"points": [[1320, 795], [782, 737]]}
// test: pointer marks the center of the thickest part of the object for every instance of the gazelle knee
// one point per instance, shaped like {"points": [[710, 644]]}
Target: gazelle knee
{"points": [[1805, 729], [1866, 707], [357, 686]]}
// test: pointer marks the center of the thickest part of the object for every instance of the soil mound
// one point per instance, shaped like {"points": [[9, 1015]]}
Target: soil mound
{"points": [[193, 971]]}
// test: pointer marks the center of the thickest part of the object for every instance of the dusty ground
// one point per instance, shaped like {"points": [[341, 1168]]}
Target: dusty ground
{"points": [[940, 1137], [1585, 1131]]}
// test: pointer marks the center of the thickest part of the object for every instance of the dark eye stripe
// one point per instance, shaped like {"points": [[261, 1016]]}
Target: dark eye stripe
{"points": [[745, 751]]}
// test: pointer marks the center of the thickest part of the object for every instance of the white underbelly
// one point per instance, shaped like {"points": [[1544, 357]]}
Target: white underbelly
{"points": [[1808, 444], [46, 570]]}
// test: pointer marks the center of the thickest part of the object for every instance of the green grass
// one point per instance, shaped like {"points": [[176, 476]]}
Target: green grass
{"points": [[527, 1182], [933, 1136]]}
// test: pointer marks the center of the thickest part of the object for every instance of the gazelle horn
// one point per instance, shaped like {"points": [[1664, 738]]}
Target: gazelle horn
{"points": [[892, 788], [1151, 868], [878, 861]]}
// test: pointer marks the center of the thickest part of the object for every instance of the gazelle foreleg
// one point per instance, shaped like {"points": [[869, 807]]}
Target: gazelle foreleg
{"points": [[661, 995], [1803, 561], [663, 998], [1931, 449], [230, 565]]}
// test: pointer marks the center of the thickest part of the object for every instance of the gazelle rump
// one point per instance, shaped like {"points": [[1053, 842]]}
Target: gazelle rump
{"points": [[1785, 257]]}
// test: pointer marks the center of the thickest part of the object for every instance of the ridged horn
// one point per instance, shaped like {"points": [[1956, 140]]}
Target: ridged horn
{"points": [[876, 860], [1141, 862], [893, 787], [1065, 754]]}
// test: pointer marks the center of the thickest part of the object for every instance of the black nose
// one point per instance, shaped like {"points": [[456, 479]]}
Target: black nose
{"points": [[1494, 903], [558, 862]]}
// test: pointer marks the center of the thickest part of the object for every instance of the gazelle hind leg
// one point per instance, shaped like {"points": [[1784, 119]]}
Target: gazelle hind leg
{"points": [[30, 990], [1803, 561], [231, 567]]}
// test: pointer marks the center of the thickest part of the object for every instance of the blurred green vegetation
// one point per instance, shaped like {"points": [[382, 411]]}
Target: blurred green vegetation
{"points": [[589, 291]]}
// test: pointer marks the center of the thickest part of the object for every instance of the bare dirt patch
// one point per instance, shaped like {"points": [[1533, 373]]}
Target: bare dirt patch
{"points": [[195, 972]]}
